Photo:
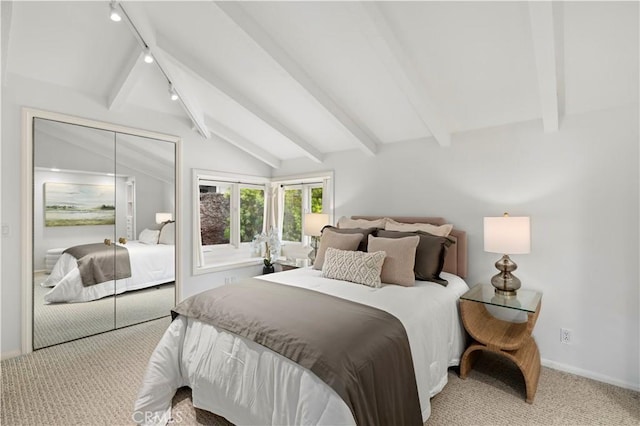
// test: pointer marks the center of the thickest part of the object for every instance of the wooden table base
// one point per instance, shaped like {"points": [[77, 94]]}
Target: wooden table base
{"points": [[510, 340], [527, 358]]}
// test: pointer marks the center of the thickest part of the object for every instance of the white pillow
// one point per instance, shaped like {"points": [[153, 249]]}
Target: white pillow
{"points": [[345, 222], [439, 231], [149, 236], [168, 234]]}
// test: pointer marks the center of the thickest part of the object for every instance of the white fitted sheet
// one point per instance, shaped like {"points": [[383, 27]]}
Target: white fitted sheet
{"points": [[151, 264], [249, 384]]}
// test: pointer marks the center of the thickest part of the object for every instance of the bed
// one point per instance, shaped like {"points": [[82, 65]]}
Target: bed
{"points": [[248, 383], [150, 265]]}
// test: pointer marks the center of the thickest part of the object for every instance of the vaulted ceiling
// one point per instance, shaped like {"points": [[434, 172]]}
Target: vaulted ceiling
{"points": [[283, 80]]}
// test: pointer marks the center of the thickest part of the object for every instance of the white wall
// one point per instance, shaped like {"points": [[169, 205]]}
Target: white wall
{"points": [[580, 188], [197, 153]]}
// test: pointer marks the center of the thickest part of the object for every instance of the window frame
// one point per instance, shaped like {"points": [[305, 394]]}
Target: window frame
{"points": [[234, 254], [241, 255], [305, 196]]}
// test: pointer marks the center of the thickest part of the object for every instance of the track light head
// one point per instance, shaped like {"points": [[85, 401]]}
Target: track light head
{"points": [[114, 15], [172, 93], [148, 58]]}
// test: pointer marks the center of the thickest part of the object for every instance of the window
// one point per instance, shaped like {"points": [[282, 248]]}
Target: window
{"points": [[292, 218], [252, 210], [215, 213], [230, 210], [230, 213], [298, 200]]}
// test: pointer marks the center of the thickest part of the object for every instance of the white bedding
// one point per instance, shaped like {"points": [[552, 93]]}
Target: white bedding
{"points": [[151, 264], [250, 384]]}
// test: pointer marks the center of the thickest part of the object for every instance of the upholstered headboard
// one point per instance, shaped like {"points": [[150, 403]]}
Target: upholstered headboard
{"points": [[456, 260]]}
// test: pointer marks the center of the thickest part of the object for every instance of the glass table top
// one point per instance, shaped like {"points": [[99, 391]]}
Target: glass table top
{"points": [[524, 300]]}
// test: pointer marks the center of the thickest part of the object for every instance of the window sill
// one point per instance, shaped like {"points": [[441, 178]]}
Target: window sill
{"points": [[225, 266]]}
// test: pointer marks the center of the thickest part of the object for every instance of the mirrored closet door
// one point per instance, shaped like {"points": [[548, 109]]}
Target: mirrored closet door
{"points": [[103, 231]]}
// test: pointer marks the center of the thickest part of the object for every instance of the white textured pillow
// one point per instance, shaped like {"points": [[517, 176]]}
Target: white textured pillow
{"points": [[168, 234], [345, 222], [354, 266], [149, 236], [439, 231]]}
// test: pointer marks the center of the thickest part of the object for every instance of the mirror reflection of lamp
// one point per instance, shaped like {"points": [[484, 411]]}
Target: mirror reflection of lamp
{"points": [[163, 217], [507, 235], [313, 224]]}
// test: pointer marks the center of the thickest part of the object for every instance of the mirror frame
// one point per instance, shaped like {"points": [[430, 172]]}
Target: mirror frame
{"points": [[28, 115]]}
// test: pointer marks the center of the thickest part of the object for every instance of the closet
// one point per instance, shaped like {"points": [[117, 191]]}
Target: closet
{"points": [[103, 234]]}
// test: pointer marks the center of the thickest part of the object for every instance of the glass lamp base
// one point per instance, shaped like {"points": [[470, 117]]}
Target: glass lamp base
{"points": [[505, 282]]}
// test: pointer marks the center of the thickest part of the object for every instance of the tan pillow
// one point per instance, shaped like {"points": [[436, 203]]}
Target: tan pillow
{"points": [[401, 256], [345, 222], [439, 231], [355, 266], [335, 240]]}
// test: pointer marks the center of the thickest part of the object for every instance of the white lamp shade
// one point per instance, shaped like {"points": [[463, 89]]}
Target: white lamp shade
{"points": [[314, 222], [163, 217], [507, 235]]}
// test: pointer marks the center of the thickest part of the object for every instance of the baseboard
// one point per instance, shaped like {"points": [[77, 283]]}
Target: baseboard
{"points": [[590, 375], [10, 354]]}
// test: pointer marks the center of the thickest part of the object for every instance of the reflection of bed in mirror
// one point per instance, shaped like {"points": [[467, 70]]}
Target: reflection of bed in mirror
{"points": [[150, 264]]}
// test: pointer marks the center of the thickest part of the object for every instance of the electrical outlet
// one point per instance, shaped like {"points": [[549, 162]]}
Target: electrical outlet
{"points": [[229, 280], [6, 230], [565, 336]]}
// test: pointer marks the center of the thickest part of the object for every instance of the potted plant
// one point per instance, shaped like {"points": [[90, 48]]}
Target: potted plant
{"points": [[271, 248], [268, 265]]}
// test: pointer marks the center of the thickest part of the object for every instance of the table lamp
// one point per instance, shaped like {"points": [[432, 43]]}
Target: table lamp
{"points": [[163, 217], [506, 235], [313, 224]]}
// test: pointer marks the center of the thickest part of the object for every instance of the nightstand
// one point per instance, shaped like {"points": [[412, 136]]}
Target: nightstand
{"points": [[509, 339], [288, 264]]}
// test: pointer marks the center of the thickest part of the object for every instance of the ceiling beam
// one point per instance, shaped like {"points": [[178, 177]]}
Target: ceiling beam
{"points": [[210, 78], [126, 80], [392, 53], [145, 35], [544, 47], [259, 36], [6, 16], [230, 136]]}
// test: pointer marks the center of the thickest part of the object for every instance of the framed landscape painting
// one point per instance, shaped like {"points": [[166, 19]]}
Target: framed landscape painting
{"points": [[75, 204]]}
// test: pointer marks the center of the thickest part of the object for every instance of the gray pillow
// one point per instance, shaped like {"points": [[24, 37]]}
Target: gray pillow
{"points": [[364, 231], [335, 240], [430, 254]]}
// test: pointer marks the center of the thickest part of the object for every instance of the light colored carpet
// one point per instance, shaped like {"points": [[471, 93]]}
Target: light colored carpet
{"points": [[94, 381], [62, 322]]}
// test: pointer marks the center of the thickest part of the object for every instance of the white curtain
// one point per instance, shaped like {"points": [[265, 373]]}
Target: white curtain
{"points": [[327, 196], [198, 241], [275, 208]]}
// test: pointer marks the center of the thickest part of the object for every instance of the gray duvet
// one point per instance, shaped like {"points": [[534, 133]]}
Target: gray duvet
{"points": [[100, 263], [361, 352]]}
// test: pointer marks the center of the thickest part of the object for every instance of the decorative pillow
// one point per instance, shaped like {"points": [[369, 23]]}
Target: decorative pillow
{"points": [[401, 256], [440, 231], [354, 266], [345, 222], [430, 254], [148, 236], [364, 231], [335, 240], [168, 234]]}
